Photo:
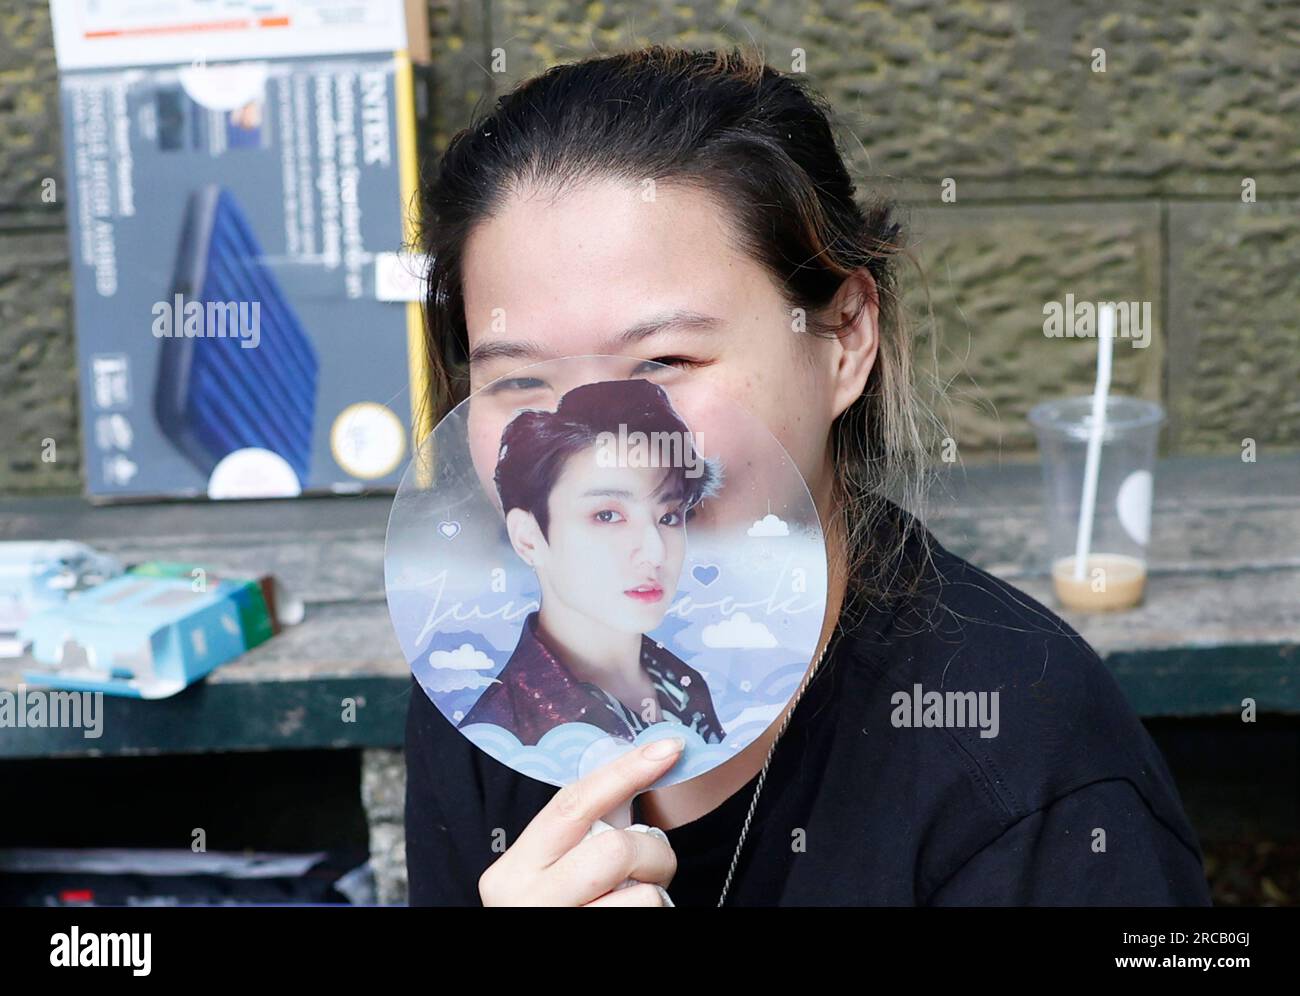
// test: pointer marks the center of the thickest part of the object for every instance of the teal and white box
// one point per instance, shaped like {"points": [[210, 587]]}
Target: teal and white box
{"points": [[138, 636]]}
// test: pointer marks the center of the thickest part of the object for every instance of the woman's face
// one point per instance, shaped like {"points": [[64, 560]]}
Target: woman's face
{"points": [[646, 273], [615, 542]]}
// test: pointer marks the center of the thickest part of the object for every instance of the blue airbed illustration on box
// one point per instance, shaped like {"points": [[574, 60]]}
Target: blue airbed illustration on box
{"points": [[254, 387]]}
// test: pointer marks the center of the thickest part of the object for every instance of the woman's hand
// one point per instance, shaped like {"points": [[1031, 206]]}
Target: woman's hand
{"points": [[551, 864]]}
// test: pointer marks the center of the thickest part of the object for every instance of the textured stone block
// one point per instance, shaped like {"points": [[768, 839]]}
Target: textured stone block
{"points": [[1234, 324], [38, 378], [383, 784], [383, 794], [1193, 97], [30, 147], [388, 862], [461, 80], [990, 271]]}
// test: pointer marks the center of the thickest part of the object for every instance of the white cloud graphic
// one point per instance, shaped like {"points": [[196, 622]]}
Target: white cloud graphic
{"points": [[457, 670], [769, 525], [738, 633], [463, 658], [454, 680]]}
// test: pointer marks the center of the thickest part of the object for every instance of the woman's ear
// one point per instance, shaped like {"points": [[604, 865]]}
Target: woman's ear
{"points": [[525, 535], [858, 343]]}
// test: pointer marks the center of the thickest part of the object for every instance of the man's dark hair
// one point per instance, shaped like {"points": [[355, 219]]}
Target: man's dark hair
{"points": [[536, 444]]}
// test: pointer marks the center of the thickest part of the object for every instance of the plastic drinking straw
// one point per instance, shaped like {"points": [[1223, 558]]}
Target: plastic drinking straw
{"points": [[1105, 341]]}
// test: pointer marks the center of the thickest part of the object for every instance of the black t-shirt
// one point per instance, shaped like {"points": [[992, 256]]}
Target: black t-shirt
{"points": [[880, 793]]}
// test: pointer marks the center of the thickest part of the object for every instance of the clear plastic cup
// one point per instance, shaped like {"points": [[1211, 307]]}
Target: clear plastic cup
{"points": [[1114, 575]]}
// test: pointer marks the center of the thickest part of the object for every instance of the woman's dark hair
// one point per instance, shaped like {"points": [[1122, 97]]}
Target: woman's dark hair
{"points": [[536, 444], [761, 143]]}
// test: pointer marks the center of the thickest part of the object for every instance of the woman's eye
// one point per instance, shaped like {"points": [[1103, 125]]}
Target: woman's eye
{"points": [[606, 515], [671, 361], [518, 384], [673, 518]]}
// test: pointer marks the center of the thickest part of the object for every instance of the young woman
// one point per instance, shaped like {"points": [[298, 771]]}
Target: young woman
{"points": [[692, 208], [607, 543]]}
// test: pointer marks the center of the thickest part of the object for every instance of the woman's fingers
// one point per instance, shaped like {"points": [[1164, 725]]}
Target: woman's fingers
{"points": [[556, 863], [599, 864], [643, 894], [565, 820]]}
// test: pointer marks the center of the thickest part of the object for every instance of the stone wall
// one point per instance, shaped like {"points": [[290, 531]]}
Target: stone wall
{"points": [[1125, 184]]}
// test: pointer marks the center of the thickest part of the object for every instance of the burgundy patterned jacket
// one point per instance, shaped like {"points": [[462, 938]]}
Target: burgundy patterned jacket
{"points": [[536, 692]]}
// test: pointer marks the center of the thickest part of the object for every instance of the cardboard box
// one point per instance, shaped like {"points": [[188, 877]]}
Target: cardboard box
{"points": [[109, 34], [145, 637], [41, 574], [240, 181]]}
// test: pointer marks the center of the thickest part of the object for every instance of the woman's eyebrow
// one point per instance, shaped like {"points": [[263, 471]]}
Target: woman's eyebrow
{"points": [[515, 349], [606, 493], [683, 321], [527, 349]]}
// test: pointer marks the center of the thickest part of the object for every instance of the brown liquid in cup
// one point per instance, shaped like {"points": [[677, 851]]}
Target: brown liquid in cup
{"points": [[1122, 583]]}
